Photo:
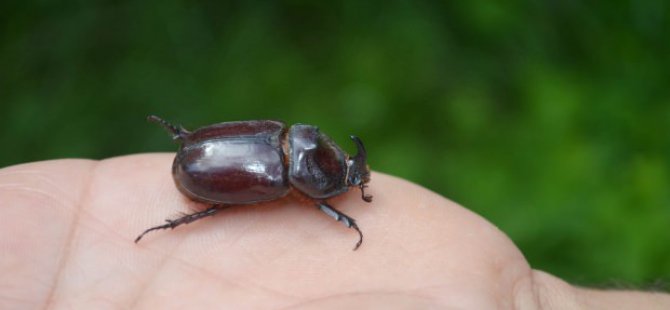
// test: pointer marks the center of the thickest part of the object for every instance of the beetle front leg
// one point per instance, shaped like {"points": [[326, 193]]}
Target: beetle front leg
{"points": [[341, 217], [188, 218]]}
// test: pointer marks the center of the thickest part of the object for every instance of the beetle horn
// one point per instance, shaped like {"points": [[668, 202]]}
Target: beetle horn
{"points": [[362, 154]]}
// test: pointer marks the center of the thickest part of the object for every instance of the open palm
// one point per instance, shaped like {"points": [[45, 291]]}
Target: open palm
{"points": [[66, 241]]}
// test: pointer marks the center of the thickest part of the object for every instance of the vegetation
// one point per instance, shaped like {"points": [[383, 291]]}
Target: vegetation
{"points": [[549, 118]]}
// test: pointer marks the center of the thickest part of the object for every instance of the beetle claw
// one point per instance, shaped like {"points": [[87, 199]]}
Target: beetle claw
{"points": [[360, 237]]}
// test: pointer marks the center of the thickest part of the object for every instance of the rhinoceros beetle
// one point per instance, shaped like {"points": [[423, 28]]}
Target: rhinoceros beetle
{"points": [[247, 162]]}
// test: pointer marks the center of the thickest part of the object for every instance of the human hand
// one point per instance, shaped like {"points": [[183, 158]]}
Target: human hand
{"points": [[68, 227]]}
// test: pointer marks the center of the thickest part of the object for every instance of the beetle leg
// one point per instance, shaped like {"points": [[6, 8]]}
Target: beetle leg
{"points": [[341, 217], [188, 218], [178, 133]]}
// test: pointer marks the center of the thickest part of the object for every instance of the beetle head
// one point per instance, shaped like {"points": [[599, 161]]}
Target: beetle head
{"points": [[358, 169]]}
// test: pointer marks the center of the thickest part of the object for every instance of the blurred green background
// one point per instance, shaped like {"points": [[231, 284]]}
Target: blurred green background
{"points": [[549, 118]]}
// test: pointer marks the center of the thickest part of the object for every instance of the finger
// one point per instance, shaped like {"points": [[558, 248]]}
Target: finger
{"points": [[40, 205]]}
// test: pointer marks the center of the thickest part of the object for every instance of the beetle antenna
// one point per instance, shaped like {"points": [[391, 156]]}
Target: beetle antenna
{"points": [[178, 133], [366, 198], [359, 172]]}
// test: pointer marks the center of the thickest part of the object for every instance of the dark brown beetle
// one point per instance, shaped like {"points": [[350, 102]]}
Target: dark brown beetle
{"points": [[247, 162]]}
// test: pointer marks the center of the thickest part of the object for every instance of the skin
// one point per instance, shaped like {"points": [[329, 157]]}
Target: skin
{"points": [[67, 242]]}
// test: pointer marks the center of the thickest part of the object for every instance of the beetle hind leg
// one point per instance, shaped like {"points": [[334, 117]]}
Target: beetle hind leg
{"points": [[187, 218], [341, 217], [177, 132]]}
